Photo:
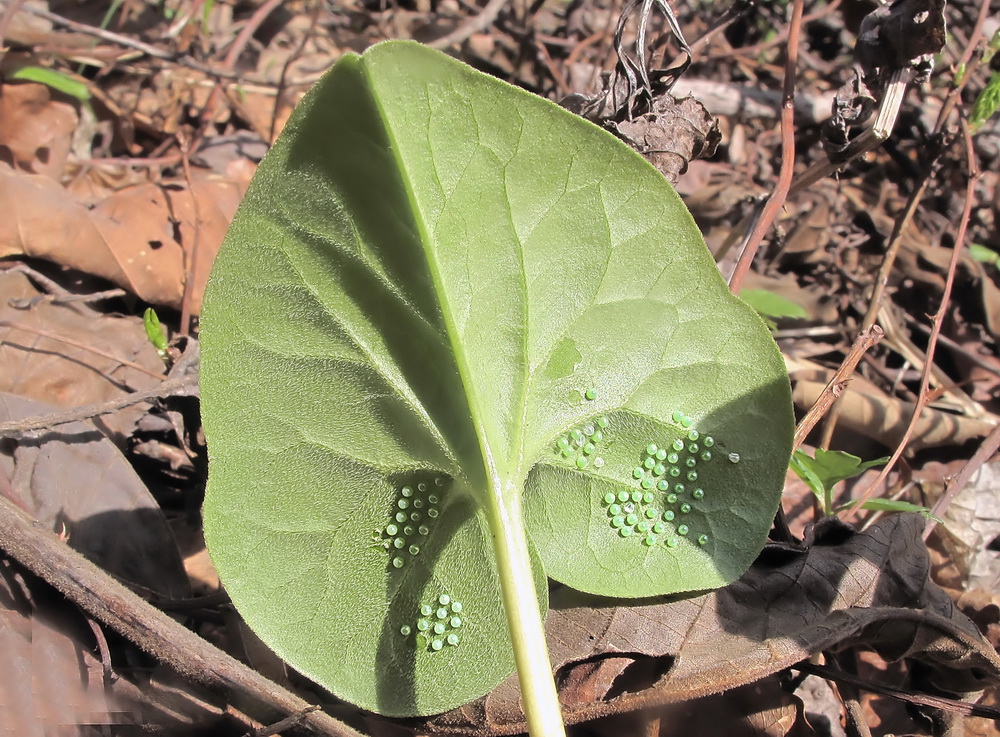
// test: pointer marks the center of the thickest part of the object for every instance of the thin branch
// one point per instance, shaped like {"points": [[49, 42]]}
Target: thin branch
{"points": [[77, 344], [957, 483], [936, 322], [37, 549], [249, 29], [317, 5], [475, 24], [64, 299], [131, 43], [894, 245], [208, 110], [286, 723], [862, 344], [166, 388], [778, 197], [936, 702], [190, 250]]}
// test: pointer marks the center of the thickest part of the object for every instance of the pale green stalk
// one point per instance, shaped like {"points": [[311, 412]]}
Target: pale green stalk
{"points": [[524, 618]]}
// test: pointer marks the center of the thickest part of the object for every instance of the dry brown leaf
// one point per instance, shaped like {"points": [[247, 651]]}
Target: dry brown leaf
{"points": [[810, 225], [48, 677], [136, 238], [978, 726], [813, 299], [164, 101], [762, 709], [672, 134], [76, 483], [67, 376], [839, 590], [971, 524], [35, 130], [52, 683], [885, 419]]}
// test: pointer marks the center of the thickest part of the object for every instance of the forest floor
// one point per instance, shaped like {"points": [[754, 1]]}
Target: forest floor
{"points": [[129, 132]]}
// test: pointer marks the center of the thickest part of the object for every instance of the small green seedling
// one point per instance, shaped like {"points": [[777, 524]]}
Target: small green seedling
{"points": [[828, 468], [55, 79], [893, 505], [984, 254], [987, 102], [155, 334], [771, 306], [458, 341]]}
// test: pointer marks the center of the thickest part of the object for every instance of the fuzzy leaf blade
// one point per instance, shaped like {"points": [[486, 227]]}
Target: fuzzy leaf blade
{"points": [[429, 271]]}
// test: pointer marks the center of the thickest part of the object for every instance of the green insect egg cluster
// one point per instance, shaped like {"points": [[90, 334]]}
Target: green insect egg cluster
{"points": [[582, 445], [438, 625], [654, 505], [412, 518]]}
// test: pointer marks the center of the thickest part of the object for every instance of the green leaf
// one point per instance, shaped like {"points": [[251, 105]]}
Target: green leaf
{"points": [[894, 505], [803, 466], [772, 305], [828, 468], [57, 80], [434, 278], [987, 102], [154, 332], [984, 254]]}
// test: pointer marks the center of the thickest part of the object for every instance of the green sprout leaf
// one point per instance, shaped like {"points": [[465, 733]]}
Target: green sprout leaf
{"points": [[987, 102], [772, 305], [828, 468], [154, 332], [57, 80], [984, 254], [894, 505], [444, 294]]}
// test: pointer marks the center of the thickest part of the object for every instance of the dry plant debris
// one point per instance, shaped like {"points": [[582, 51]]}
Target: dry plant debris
{"points": [[128, 134]]}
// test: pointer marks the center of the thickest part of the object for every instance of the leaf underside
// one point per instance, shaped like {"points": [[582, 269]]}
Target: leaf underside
{"points": [[437, 287]]}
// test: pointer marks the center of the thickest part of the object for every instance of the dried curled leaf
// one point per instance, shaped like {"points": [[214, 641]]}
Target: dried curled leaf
{"points": [[841, 589], [136, 238], [885, 419], [673, 134]]}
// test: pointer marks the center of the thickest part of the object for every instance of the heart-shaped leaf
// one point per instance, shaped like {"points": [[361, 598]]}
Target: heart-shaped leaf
{"points": [[443, 294]]}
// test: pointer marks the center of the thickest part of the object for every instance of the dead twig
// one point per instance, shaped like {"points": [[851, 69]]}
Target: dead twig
{"points": [[862, 344], [147, 49], [286, 723], [49, 285], [895, 243], [104, 650], [166, 388], [240, 43], [957, 483], [77, 344], [37, 549], [777, 199], [868, 141], [283, 78], [957, 347], [475, 24], [936, 322], [190, 250], [64, 299], [936, 702]]}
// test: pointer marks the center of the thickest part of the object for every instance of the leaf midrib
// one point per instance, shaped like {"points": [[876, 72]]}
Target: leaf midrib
{"points": [[492, 477]]}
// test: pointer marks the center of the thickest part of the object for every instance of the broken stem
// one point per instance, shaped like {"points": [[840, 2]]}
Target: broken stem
{"points": [[37, 549], [780, 194]]}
